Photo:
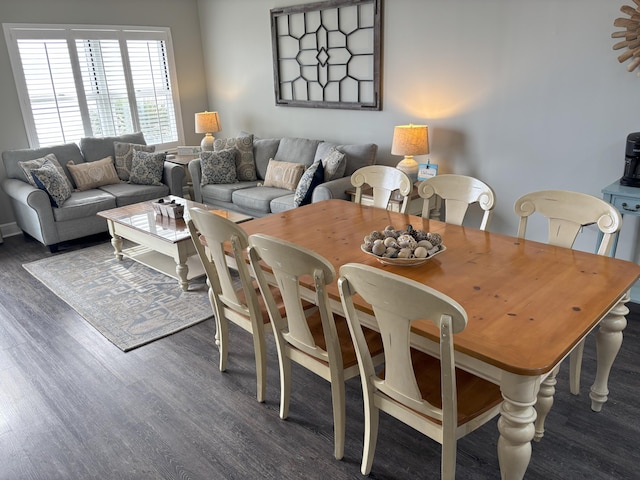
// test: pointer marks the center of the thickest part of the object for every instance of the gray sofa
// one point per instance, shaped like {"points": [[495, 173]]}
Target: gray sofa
{"points": [[76, 217], [251, 198]]}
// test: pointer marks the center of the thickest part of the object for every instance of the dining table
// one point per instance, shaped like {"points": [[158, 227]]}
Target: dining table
{"points": [[528, 304]]}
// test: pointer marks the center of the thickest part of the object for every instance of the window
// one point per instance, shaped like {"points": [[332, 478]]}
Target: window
{"points": [[77, 81]]}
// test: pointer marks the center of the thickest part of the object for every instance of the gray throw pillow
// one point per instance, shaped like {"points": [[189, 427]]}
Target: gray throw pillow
{"points": [[124, 157], [244, 161], [218, 167], [28, 165], [49, 179], [335, 163], [147, 168]]}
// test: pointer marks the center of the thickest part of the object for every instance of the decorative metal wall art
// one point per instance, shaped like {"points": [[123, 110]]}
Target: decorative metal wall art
{"points": [[327, 54]]}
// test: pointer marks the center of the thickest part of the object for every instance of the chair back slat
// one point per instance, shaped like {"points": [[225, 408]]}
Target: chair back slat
{"points": [[384, 180]]}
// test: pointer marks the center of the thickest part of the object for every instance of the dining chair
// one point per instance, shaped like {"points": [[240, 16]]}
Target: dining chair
{"points": [[384, 180], [458, 192], [230, 302], [315, 339], [422, 391], [567, 213]]}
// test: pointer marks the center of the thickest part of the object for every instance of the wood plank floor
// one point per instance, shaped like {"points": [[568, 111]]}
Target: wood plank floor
{"points": [[73, 406]]}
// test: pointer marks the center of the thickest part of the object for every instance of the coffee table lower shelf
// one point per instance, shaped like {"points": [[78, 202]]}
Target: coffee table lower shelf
{"points": [[163, 263]]}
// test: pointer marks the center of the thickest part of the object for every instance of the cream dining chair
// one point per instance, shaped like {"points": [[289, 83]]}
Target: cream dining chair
{"points": [[426, 393], [315, 339], [567, 213], [230, 302], [458, 192], [384, 180]]}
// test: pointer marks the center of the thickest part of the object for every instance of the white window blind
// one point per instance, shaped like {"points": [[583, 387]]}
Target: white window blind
{"points": [[76, 81]]}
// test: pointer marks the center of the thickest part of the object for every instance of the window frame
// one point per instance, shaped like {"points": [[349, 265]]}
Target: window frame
{"points": [[72, 32]]}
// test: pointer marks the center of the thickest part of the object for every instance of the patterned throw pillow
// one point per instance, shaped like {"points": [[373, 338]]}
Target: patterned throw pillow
{"points": [[283, 174], [29, 165], [124, 157], [335, 164], [90, 175], [218, 167], [147, 168], [311, 178], [49, 179], [245, 163]]}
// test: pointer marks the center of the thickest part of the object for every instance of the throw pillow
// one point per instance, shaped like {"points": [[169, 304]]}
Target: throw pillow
{"points": [[124, 157], [245, 163], [311, 178], [28, 165], [283, 174], [49, 179], [147, 168], [218, 167], [335, 163], [90, 175]]}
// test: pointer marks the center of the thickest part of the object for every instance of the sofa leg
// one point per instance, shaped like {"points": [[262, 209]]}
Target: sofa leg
{"points": [[53, 248]]}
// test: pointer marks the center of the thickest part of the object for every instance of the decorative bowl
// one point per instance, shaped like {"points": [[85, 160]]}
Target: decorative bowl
{"points": [[406, 262]]}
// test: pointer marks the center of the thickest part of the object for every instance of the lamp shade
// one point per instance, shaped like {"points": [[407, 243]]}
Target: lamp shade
{"points": [[207, 122], [410, 140]]}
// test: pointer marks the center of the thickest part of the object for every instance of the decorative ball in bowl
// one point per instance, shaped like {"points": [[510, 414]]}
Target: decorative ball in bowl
{"points": [[408, 247]]}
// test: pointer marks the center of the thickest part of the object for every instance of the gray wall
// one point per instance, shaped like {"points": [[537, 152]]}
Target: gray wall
{"points": [[524, 95], [180, 15]]}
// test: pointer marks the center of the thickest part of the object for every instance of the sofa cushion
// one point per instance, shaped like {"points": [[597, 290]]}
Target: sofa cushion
{"points": [[243, 146], [223, 192], [147, 168], [282, 204], [49, 179], [97, 148], [129, 193], [64, 153], [258, 198], [218, 166], [311, 178], [93, 174], [283, 174], [297, 150], [85, 204], [357, 155], [264, 149], [28, 165], [335, 163], [124, 157]]}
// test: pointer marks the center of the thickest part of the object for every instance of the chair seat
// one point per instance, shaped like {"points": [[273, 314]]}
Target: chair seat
{"points": [[476, 396]]}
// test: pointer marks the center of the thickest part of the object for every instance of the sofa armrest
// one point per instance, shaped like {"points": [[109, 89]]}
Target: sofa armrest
{"points": [[332, 189], [196, 177], [173, 176], [32, 210]]}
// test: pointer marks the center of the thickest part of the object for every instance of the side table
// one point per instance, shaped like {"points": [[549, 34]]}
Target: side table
{"points": [[627, 201]]}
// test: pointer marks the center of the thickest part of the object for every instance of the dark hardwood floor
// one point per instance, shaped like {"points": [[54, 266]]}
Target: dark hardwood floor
{"points": [[73, 406]]}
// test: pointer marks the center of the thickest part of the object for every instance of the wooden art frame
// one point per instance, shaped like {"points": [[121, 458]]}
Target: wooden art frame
{"points": [[328, 54]]}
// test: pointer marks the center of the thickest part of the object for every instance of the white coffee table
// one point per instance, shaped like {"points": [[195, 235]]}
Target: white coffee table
{"points": [[161, 243]]}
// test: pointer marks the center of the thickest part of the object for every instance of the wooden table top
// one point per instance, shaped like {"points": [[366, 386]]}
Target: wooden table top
{"points": [[528, 303], [141, 216]]}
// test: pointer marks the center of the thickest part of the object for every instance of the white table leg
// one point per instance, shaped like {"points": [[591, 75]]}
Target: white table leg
{"points": [[182, 270], [545, 402], [117, 242], [516, 424], [608, 342]]}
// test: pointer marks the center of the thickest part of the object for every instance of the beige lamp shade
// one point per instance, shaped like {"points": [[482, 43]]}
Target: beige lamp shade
{"points": [[410, 140], [207, 123]]}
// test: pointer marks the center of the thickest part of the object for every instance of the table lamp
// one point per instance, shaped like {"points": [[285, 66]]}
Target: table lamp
{"points": [[207, 123], [410, 140]]}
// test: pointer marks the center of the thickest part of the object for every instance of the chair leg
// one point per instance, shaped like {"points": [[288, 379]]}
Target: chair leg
{"points": [[259, 349], [448, 461], [339, 413], [285, 386], [575, 368], [371, 422]]}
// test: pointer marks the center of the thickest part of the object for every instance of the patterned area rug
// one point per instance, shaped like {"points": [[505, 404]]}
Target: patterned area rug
{"points": [[130, 304]]}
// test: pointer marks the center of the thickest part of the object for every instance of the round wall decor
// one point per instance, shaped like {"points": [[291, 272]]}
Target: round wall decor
{"points": [[630, 34]]}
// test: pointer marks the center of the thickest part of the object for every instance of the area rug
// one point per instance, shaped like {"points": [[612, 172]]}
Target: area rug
{"points": [[129, 303]]}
